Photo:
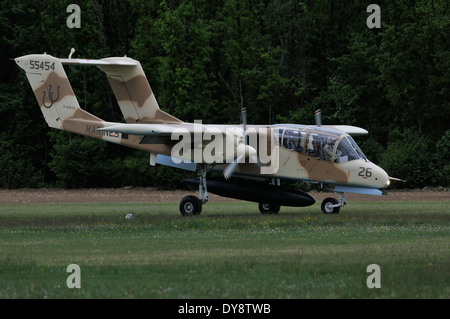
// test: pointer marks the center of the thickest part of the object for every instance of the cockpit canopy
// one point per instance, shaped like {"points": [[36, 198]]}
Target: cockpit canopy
{"points": [[327, 144]]}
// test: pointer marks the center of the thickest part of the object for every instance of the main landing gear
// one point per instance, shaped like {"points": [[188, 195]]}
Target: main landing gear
{"points": [[268, 208], [191, 205], [331, 205]]}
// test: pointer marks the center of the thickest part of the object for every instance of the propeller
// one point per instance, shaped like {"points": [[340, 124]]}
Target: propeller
{"points": [[243, 150], [229, 170], [244, 123], [318, 116]]}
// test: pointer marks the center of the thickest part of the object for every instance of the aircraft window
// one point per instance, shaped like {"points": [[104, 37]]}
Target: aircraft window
{"points": [[328, 147], [357, 149], [320, 145], [293, 140], [345, 152], [313, 145], [278, 136]]}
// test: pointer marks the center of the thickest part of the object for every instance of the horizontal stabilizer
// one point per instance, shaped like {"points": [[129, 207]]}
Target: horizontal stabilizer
{"points": [[106, 61]]}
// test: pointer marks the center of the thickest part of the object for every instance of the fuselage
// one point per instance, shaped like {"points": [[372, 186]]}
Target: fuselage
{"points": [[318, 154], [288, 151]]}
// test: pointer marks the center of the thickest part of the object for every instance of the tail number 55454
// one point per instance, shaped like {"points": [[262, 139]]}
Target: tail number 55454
{"points": [[41, 65]]}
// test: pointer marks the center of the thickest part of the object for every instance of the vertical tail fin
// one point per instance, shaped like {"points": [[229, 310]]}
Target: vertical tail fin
{"points": [[60, 107], [133, 92], [51, 88], [57, 100]]}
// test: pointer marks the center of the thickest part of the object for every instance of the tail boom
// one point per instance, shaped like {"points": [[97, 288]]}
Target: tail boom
{"points": [[61, 109]]}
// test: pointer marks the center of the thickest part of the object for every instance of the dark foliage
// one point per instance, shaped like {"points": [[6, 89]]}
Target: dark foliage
{"points": [[203, 59]]}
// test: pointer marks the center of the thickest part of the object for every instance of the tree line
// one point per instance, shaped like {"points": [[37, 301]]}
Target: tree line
{"points": [[281, 59]]}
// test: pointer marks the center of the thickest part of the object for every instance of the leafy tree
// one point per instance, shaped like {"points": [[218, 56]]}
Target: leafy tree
{"points": [[441, 161], [282, 60], [409, 156]]}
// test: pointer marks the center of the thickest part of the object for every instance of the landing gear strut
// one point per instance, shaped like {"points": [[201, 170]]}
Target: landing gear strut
{"points": [[266, 208], [331, 205], [191, 205]]}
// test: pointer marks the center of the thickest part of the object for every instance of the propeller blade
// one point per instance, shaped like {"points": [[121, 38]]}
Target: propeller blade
{"points": [[229, 170], [318, 116], [244, 123]]}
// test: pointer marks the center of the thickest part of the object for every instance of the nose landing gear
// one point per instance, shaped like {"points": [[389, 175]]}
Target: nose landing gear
{"points": [[331, 205]]}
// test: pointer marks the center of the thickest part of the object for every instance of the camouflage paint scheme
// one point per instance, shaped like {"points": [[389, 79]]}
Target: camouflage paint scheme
{"points": [[148, 128]]}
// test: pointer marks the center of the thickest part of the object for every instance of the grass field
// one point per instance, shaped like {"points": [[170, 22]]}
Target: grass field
{"points": [[230, 251]]}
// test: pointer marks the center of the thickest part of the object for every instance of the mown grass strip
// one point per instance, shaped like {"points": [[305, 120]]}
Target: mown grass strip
{"points": [[230, 251]]}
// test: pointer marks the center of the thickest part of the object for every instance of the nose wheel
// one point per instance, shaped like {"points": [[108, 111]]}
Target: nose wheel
{"points": [[331, 205]]}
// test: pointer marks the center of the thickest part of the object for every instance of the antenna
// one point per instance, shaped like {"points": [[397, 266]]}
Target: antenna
{"points": [[318, 116], [71, 52]]}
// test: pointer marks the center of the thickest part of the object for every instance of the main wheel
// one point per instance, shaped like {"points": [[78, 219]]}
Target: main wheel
{"points": [[265, 208], [190, 205], [327, 206]]}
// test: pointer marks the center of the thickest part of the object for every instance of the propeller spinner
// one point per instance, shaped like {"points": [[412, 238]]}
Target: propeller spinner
{"points": [[243, 150]]}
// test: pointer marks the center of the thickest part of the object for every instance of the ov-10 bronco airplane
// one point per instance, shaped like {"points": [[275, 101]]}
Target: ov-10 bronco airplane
{"points": [[253, 158]]}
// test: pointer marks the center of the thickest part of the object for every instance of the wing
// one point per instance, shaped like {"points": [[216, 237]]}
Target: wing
{"points": [[168, 130], [351, 130], [192, 142], [189, 138], [162, 130]]}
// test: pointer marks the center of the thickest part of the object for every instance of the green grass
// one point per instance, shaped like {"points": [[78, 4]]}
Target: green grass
{"points": [[230, 251]]}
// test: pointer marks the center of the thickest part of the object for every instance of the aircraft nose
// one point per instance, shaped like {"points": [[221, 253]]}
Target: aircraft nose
{"points": [[382, 178]]}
